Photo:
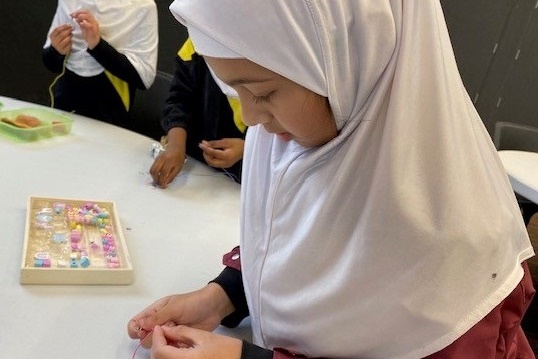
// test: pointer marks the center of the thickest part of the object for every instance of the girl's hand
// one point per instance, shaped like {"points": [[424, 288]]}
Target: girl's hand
{"points": [[183, 342], [202, 309], [61, 38], [223, 153], [89, 27]]}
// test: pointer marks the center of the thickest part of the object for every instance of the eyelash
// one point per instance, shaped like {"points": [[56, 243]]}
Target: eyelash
{"points": [[262, 99]]}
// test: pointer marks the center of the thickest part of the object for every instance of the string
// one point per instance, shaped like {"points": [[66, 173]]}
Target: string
{"points": [[140, 344], [56, 80], [157, 148], [231, 175]]}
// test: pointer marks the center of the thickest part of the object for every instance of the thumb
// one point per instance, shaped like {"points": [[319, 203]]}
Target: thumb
{"points": [[158, 338], [183, 336], [161, 348], [163, 315]]}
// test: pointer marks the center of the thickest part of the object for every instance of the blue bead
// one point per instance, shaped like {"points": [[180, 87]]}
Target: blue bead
{"points": [[84, 261]]}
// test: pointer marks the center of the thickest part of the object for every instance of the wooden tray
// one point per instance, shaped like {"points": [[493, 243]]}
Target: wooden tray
{"points": [[74, 241]]}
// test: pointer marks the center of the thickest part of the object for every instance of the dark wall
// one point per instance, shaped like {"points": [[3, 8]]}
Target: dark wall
{"points": [[496, 45], [495, 42], [23, 28]]}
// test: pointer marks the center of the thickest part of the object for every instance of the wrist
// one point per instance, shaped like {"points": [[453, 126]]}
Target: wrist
{"points": [[93, 43], [177, 137], [220, 302]]}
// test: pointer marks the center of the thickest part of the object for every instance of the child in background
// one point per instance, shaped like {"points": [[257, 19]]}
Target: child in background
{"points": [[200, 120], [103, 51], [365, 176]]}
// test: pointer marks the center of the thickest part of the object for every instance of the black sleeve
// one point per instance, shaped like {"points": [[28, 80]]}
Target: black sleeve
{"points": [[116, 63], [251, 351], [178, 109], [52, 59], [231, 280]]}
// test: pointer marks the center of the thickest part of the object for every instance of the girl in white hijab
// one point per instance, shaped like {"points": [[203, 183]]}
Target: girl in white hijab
{"points": [[103, 51], [377, 220]]}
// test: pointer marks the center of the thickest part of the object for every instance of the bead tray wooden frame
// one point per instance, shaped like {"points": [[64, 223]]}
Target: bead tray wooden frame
{"points": [[50, 251]]}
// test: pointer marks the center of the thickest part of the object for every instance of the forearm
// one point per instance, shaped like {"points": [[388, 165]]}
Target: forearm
{"points": [[116, 63], [176, 137], [52, 59]]}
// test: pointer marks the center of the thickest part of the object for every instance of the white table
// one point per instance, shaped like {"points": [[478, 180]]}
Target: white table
{"points": [[522, 169], [175, 237]]}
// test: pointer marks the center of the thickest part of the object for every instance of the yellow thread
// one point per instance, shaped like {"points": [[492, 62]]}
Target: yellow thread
{"points": [[56, 80]]}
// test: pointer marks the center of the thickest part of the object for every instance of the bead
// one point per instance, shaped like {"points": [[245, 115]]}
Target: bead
{"points": [[58, 237], [41, 255], [84, 262]]}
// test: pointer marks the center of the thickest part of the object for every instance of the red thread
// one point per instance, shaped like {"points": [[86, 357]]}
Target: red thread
{"points": [[140, 344]]}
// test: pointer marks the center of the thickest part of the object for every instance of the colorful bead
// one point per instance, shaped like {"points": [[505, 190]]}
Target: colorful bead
{"points": [[84, 261], [42, 255]]}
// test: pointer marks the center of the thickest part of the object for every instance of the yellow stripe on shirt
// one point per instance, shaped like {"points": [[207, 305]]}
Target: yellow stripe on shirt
{"points": [[122, 88], [238, 114], [186, 51]]}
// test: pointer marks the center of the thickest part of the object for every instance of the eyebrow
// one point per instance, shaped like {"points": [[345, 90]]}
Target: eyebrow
{"points": [[245, 81]]}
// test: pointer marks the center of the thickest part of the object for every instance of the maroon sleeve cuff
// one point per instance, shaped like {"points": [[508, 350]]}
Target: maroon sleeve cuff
{"points": [[233, 259]]}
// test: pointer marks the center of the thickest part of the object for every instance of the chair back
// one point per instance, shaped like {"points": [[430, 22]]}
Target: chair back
{"points": [[147, 108], [514, 136]]}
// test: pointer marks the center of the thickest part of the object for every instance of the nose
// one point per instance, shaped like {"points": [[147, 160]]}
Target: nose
{"points": [[254, 114]]}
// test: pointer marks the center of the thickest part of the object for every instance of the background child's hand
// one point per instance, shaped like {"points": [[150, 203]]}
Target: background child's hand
{"points": [[167, 165], [61, 38], [184, 342], [202, 309], [223, 153], [89, 27]]}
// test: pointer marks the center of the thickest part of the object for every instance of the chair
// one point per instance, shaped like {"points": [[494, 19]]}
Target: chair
{"points": [[514, 136], [148, 105]]}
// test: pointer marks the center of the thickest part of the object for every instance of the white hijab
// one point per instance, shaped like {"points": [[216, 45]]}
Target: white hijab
{"points": [[400, 234], [130, 26]]}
